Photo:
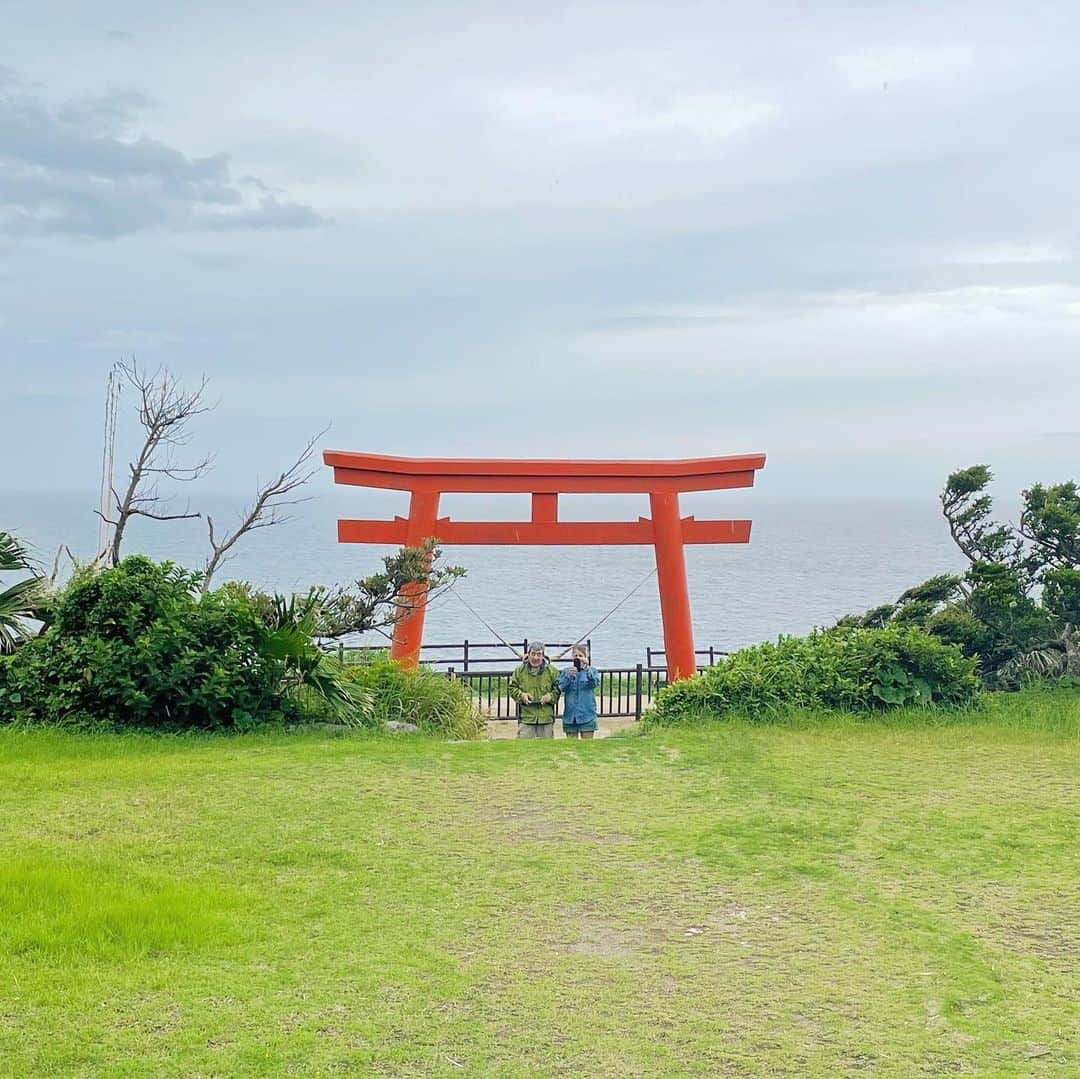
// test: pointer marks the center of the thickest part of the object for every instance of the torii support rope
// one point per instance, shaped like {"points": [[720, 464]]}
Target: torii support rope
{"points": [[426, 479], [580, 637]]}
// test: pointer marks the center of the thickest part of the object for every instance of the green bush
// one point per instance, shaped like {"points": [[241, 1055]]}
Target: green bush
{"points": [[861, 670], [434, 703], [136, 646]]}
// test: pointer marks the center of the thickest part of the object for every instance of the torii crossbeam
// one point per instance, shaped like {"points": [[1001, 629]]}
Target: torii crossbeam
{"points": [[663, 481]]}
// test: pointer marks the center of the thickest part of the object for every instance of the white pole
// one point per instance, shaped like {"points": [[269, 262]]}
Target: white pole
{"points": [[108, 453]]}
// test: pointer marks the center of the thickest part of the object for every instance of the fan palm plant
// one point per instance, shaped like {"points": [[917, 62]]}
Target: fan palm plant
{"points": [[293, 623], [1058, 658], [17, 602]]}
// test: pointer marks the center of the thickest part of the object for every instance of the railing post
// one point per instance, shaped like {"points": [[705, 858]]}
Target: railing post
{"points": [[637, 695], [466, 655], [341, 653]]}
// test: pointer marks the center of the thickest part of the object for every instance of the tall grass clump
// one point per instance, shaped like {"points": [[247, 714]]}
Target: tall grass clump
{"points": [[842, 669], [424, 697]]}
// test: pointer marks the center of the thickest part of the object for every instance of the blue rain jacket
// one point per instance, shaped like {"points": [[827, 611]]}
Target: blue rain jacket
{"points": [[579, 695]]}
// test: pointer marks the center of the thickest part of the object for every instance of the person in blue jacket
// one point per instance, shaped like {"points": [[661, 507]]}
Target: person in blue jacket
{"points": [[578, 685]]}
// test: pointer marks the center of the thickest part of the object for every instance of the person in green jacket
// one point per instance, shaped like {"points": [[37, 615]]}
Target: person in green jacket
{"points": [[535, 687]]}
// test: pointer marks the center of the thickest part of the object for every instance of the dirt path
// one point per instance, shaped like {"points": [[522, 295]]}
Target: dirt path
{"points": [[507, 728]]}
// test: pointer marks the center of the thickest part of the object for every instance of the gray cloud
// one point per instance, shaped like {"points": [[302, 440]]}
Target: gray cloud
{"points": [[84, 168]]}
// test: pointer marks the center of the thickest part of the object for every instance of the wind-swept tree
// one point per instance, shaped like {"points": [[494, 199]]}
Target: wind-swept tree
{"points": [[1017, 606]]}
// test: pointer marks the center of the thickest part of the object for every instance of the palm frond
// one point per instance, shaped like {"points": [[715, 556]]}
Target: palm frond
{"points": [[16, 605], [1056, 659], [14, 554]]}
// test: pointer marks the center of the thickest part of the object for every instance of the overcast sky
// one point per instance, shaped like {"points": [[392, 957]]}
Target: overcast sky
{"points": [[845, 234]]}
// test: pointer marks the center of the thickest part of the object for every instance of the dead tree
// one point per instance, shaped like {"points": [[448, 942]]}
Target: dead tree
{"points": [[165, 410], [265, 511]]}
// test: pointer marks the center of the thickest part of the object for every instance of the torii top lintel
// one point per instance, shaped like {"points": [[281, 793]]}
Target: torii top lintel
{"points": [[459, 474]]}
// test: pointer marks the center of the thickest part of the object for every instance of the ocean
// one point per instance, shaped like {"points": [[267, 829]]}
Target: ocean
{"points": [[809, 561]]}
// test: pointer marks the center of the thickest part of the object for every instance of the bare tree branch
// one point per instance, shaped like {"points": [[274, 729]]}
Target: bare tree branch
{"points": [[264, 512], [165, 409], [165, 516], [54, 576]]}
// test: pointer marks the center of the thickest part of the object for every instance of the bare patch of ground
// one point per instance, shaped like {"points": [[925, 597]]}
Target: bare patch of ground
{"points": [[499, 728], [544, 823], [613, 941]]}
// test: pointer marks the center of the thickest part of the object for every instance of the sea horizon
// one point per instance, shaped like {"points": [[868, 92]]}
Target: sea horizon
{"points": [[809, 561]]}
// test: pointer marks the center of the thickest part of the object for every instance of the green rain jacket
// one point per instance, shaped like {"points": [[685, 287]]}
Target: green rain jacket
{"points": [[536, 684]]}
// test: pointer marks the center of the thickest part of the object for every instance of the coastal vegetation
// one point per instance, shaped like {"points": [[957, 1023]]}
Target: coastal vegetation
{"points": [[142, 645], [845, 669]]}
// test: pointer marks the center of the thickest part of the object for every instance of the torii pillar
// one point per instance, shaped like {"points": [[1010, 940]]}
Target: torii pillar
{"points": [[668, 532]]}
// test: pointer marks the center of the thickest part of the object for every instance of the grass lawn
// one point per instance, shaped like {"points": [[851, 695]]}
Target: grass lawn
{"points": [[877, 899]]}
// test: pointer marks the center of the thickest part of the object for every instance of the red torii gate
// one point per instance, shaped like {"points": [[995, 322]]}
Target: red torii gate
{"points": [[427, 478]]}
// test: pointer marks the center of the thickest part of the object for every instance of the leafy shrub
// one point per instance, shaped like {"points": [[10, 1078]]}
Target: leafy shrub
{"points": [[425, 697], [864, 670], [136, 646]]}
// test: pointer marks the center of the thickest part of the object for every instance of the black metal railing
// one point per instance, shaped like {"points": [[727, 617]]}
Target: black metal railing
{"points": [[463, 656], [711, 653], [623, 692]]}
